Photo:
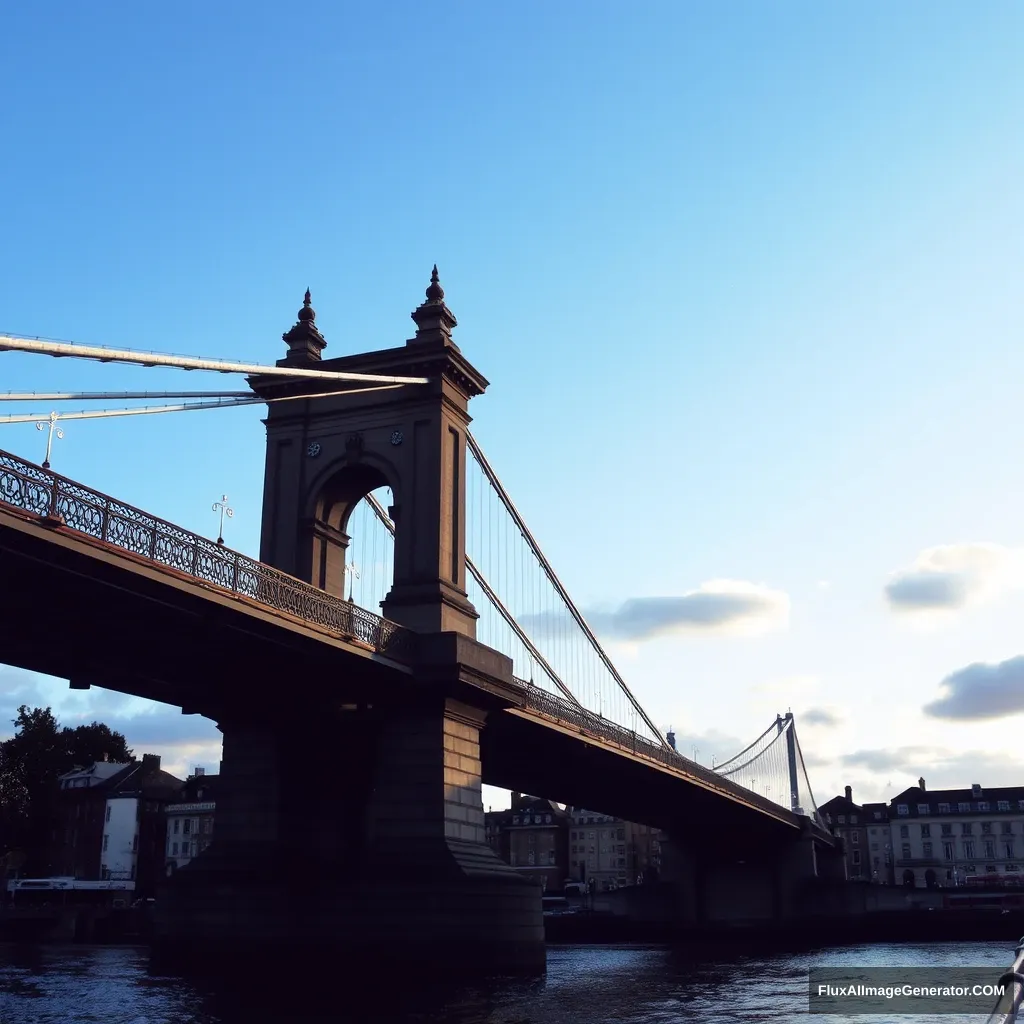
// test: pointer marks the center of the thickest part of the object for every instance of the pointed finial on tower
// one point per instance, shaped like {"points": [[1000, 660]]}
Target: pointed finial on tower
{"points": [[305, 342], [434, 320], [435, 293]]}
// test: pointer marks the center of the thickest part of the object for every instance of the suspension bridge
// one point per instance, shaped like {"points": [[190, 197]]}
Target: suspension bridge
{"points": [[401, 640], [524, 609]]}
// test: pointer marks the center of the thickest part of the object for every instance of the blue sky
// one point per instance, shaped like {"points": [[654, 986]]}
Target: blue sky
{"points": [[752, 274]]}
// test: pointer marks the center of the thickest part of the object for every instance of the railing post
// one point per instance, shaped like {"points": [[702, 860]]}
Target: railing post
{"points": [[105, 521], [234, 572]]}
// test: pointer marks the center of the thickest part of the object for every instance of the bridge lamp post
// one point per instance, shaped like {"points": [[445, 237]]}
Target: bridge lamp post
{"points": [[222, 506], [51, 427], [353, 573]]}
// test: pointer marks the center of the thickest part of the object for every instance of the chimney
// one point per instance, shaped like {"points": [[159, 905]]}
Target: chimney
{"points": [[849, 793], [671, 737], [150, 763], [920, 784], [517, 799], [200, 770]]}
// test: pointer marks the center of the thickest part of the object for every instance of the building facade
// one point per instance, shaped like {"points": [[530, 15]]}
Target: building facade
{"points": [[955, 837], [609, 853], [531, 837], [848, 820], [880, 852], [190, 820], [111, 823]]}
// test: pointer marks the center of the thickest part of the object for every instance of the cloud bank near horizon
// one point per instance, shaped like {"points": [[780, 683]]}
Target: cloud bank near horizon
{"points": [[182, 741]]}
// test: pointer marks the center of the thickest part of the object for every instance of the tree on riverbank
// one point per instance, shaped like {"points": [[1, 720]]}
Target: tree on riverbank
{"points": [[31, 761]]}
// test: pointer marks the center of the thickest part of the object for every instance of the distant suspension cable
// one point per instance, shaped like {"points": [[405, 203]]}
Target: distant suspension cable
{"points": [[150, 410], [496, 601], [557, 584], [745, 750]]}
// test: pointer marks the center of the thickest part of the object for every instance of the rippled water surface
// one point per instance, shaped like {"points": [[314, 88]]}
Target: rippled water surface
{"points": [[584, 985]]}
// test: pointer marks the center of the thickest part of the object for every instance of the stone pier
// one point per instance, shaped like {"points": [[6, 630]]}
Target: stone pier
{"points": [[355, 839]]}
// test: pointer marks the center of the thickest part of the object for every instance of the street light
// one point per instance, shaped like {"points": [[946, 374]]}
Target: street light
{"points": [[51, 427], [222, 505]]}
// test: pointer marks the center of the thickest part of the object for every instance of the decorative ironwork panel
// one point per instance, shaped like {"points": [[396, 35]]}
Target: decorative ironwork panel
{"points": [[33, 489]]}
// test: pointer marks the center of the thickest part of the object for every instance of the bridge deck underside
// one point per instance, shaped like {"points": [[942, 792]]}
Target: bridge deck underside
{"points": [[75, 610], [526, 754]]}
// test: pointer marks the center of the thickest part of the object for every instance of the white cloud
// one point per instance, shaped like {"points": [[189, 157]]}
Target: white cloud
{"points": [[981, 691], [825, 717], [953, 576], [717, 606]]}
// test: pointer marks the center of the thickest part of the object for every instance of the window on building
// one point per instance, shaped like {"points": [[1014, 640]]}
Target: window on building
{"points": [[986, 826], [174, 849], [592, 834], [855, 857], [106, 842], [842, 819], [990, 848], [1009, 849], [926, 831], [904, 831], [1020, 805], [1007, 827], [901, 809], [186, 826], [926, 849], [873, 831], [853, 819], [622, 833], [905, 851], [177, 825], [964, 806], [547, 819], [966, 828], [969, 849], [207, 822], [923, 809], [983, 805], [947, 830], [551, 856], [943, 808], [1003, 805], [515, 820], [531, 857], [874, 846], [947, 851], [855, 838]]}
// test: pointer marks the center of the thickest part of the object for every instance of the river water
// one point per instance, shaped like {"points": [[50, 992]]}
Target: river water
{"points": [[583, 985]]}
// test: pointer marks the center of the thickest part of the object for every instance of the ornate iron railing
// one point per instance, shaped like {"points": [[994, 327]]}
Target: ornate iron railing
{"points": [[56, 499], [601, 728]]}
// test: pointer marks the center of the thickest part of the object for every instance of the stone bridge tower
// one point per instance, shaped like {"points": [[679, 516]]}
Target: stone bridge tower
{"points": [[324, 455]]}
